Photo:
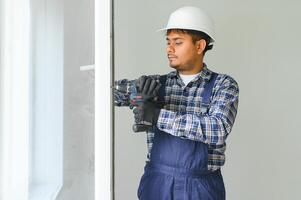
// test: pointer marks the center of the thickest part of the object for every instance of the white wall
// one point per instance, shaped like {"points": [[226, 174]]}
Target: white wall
{"points": [[78, 101], [258, 43]]}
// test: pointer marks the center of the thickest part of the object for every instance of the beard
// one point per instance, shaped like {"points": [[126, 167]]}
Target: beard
{"points": [[175, 66]]}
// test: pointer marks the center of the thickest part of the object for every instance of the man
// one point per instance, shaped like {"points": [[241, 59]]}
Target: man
{"points": [[187, 142]]}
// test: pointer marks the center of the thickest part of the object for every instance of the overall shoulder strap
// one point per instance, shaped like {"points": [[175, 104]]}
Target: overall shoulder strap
{"points": [[162, 80], [161, 97], [208, 89]]}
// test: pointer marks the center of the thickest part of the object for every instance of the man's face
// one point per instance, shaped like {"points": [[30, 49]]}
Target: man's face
{"points": [[182, 53]]}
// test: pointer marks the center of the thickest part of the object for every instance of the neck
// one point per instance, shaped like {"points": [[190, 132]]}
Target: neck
{"points": [[198, 67]]}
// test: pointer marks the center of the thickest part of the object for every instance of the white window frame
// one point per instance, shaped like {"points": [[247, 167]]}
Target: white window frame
{"points": [[15, 69], [104, 146], [31, 134]]}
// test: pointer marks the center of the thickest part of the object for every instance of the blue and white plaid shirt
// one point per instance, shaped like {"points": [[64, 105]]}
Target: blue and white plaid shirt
{"points": [[183, 116]]}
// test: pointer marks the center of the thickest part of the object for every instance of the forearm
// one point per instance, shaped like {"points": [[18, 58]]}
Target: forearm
{"points": [[122, 97], [203, 128]]}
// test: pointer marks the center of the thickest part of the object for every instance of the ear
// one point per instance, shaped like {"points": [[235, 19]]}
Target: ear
{"points": [[201, 44]]}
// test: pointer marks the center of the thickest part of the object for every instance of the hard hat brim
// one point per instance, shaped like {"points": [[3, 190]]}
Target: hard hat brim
{"points": [[161, 29], [166, 28]]}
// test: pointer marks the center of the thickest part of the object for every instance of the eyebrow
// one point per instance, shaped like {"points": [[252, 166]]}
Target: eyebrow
{"points": [[174, 38]]}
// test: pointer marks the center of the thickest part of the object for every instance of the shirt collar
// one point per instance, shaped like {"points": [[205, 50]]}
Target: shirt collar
{"points": [[204, 75]]}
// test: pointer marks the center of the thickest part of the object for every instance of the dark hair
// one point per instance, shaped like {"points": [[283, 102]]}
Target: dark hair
{"points": [[195, 35]]}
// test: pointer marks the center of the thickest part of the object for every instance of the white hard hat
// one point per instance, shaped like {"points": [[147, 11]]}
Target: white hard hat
{"points": [[192, 18]]}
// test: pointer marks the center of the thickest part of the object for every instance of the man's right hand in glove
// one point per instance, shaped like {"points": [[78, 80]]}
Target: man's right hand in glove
{"points": [[147, 113]]}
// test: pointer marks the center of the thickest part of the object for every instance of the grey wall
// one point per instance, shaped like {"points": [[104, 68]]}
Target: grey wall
{"points": [[78, 101], [257, 43]]}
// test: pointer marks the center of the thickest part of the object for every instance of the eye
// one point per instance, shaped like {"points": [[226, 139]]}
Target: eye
{"points": [[178, 42]]}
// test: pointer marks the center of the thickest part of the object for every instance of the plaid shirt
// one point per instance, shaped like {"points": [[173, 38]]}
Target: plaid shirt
{"points": [[184, 116]]}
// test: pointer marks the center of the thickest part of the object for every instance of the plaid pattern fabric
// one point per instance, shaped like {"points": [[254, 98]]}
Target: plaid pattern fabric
{"points": [[184, 116]]}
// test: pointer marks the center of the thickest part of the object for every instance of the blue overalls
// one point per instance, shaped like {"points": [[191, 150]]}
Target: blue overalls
{"points": [[177, 169]]}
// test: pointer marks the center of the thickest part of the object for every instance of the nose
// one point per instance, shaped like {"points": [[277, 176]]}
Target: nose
{"points": [[170, 49]]}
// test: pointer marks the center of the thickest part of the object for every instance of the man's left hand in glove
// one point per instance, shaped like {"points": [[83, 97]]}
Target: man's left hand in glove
{"points": [[147, 87]]}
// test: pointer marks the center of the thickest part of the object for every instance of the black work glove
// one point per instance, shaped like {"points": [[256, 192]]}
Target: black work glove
{"points": [[147, 87], [147, 113]]}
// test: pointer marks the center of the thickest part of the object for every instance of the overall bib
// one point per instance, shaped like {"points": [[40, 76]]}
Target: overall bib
{"points": [[177, 169]]}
